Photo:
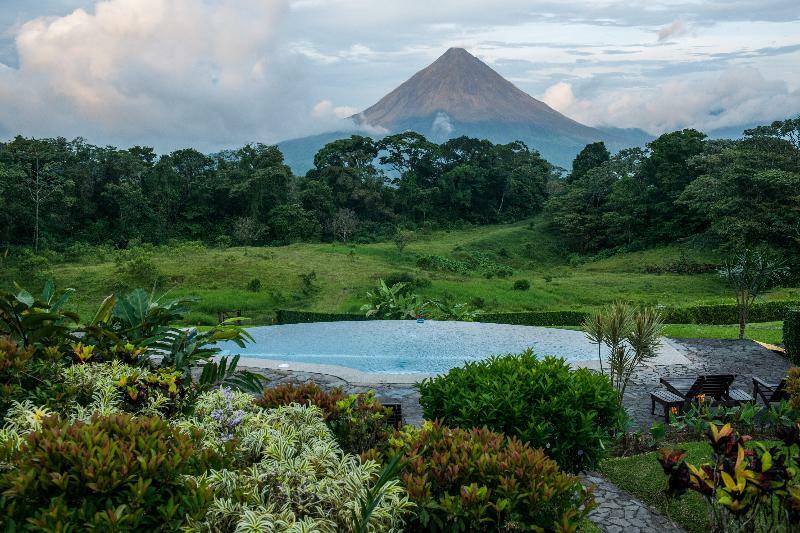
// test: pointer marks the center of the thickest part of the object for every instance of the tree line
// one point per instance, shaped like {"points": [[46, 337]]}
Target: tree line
{"points": [[55, 191], [682, 186], [726, 194]]}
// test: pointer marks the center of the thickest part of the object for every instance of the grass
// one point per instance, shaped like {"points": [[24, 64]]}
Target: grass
{"points": [[769, 332], [642, 476], [219, 277]]}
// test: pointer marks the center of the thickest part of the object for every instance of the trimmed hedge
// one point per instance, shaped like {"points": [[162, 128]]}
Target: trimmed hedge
{"points": [[717, 314], [536, 318], [791, 335], [283, 316], [727, 313]]}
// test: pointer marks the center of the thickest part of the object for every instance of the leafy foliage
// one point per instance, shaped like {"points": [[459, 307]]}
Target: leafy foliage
{"points": [[791, 335], [478, 480], [37, 322], [114, 472], [541, 401], [747, 488], [358, 421]]}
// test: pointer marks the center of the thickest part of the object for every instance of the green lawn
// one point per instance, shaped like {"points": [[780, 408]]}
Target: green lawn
{"points": [[769, 332], [219, 277], [642, 476]]}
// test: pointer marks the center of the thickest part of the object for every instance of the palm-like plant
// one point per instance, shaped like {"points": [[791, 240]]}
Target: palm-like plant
{"points": [[36, 321], [393, 303], [631, 335]]}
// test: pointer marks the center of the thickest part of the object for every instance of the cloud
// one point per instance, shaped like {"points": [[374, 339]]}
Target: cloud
{"points": [[678, 28], [734, 97], [559, 96], [326, 110], [173, 72], [442, 127]]}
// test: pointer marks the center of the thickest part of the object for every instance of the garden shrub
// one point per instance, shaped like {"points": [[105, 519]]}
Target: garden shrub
{"points": [[478, 480], [358, 421], [289, 473], [522, 285], [791, 335], [112, 473], [544, 402]]}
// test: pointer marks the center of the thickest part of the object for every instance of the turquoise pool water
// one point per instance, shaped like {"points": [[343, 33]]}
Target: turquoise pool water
{"points": [[405, 346]]}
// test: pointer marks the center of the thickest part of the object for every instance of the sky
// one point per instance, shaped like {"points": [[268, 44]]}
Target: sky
{"points": [[216, 74]]}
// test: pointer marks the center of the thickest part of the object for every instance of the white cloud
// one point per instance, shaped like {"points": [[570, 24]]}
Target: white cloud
{"points": [[559, 96], [178, 71], [707, 102], [326, 110]]}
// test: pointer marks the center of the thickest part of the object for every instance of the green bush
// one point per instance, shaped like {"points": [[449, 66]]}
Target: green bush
{"points": [[254, 285], [522, 285], [478, 480], [443, 264], [358, 421], [791, 335], [411, 281], [544, 402], [113, 473]]}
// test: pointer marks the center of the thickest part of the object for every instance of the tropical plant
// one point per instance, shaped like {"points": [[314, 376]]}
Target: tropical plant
{"points": [[37, 322], [393, 303], [112, 473], [289, 474], [358, 421], [632, 337], [746, 488], [543, 402], [750, 273], [478, 480]]}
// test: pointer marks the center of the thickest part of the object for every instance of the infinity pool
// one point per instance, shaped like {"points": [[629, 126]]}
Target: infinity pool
{"points": [[406, 346]]}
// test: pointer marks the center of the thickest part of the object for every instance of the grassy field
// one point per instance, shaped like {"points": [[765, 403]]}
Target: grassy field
{"points": [[219, 277]]}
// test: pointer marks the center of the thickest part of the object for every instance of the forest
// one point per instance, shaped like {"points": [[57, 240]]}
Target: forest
{"points": [[683, 186]]}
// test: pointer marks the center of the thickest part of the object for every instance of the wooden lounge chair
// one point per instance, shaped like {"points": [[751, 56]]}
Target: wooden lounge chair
{"points": [[713, 388], [770, 392]]}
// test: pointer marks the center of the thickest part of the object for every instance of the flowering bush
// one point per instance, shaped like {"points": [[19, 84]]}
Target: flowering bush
{"points": [[477, 480], [753, 488], [358, 421]]}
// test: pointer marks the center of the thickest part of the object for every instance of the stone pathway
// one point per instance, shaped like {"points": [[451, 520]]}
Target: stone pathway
{"points": [[617, 511]]}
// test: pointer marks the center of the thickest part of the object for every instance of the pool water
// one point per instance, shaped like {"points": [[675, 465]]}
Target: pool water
{"points": [[406, 346]]}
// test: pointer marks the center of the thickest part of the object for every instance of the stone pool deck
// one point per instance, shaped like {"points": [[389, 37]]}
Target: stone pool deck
{"points": [[617, 510]]}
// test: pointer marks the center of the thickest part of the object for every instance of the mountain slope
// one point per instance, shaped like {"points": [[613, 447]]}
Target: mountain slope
{"points": [[457, 95]]}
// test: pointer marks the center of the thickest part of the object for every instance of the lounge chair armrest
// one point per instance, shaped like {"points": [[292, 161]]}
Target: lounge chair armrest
{"points": [[769, 387]]}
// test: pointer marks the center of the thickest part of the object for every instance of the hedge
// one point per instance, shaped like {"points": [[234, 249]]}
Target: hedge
{"points": [[727, 313], [283, 316], [536, 318], [719, 314], [791, 335]]}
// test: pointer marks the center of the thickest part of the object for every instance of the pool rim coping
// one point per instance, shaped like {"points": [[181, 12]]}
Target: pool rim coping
{"points": [[676, 355]]}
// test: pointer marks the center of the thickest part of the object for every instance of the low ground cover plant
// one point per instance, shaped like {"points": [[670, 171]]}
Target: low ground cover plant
{"points": [[479, 480], [543, 402]]}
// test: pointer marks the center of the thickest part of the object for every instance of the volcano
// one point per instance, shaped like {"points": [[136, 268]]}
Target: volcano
{"points": [[458, 94]]}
